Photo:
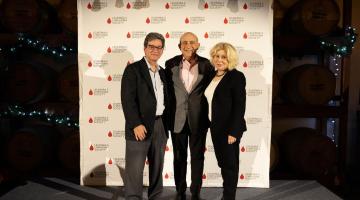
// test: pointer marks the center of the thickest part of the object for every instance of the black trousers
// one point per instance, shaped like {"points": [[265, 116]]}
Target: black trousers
{"points": [[136, 152], [196, 142], [227, 156]]}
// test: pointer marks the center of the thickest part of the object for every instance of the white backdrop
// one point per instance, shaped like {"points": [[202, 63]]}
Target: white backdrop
{"points": [[111, 35]]}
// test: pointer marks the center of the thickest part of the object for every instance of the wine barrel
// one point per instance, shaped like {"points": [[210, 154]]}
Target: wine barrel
{"points": [[68, 83], [69, 152], [307, 152], [274, 155], [28, 82], [315, 17], [308, 84], [31, 147], [287, 3], [67, 13], [25, 16]]}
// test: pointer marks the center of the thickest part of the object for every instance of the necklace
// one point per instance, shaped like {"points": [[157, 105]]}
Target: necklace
{"points": [[220, 75]]}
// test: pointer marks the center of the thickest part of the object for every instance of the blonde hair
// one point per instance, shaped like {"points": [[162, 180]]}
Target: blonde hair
{"points": [[230, 51]]}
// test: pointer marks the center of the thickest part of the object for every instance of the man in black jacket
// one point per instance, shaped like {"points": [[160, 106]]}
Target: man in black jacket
{"points": [[144, 98], [188, 75]]}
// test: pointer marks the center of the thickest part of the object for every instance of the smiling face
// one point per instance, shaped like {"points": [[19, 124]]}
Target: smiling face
{"points": [[220, 60], [154, 50], [188, 45]]}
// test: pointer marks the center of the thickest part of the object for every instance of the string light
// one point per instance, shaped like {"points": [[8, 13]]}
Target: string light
{"points": [[18, 111], [332, 129], [340, 46], [337, 47], [25, 41]]}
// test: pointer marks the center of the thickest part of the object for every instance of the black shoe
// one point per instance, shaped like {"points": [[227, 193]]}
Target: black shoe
{"points": [[180, 196]]}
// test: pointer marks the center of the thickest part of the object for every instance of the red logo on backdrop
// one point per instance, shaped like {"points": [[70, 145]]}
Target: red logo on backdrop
{"points": [[226, 21], [89, 35], [89, 64], [204, 176], [109, 78], [109, 134], [167, 148], [91, 148], [91, 120], [245, 36], [167, 6], [243, 149], [109, 106], [128, 35], [110, 162], [108, 20], [187, 21], [91, 92], [108, 50], [245, 64], [166, 176], [206, 6], [89, 6], [206, 35], [147, 20], [128, 5], [242, 176], [245, 6], [167, 35]]}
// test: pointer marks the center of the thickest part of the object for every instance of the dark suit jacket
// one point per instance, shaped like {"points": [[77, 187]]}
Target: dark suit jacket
{"points": [[138, 98], [197, 108], [228, 105]]}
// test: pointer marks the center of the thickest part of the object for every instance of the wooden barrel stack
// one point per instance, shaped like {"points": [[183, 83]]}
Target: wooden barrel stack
{"points": [[49, 83]]}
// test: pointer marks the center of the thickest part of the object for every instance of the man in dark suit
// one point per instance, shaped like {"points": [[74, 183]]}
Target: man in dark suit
{"points": [[188, 75], [144, 99]]}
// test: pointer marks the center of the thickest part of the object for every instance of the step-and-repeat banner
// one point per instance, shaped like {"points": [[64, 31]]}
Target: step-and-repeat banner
{"points": [[111, 35]]}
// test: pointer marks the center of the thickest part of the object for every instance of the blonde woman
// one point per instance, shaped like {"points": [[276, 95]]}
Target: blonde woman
{"points": [[226, 96]]}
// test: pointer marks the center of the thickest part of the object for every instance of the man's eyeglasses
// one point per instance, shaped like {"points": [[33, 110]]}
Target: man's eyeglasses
{"points": [[152, 47]]}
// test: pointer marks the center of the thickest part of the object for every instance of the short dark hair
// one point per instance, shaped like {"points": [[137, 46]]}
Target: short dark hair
{"points": [[153, 36]]}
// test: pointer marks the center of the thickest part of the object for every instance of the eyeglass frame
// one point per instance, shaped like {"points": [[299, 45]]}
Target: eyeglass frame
{"points": [[152, 47]]}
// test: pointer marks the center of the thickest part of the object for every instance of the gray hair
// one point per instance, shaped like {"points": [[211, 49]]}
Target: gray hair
{"points": [[153, 36]]}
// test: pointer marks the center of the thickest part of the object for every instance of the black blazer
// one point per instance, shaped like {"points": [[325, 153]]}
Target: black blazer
{"points": [[198, 105], [138, 98], [228, 105]]}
